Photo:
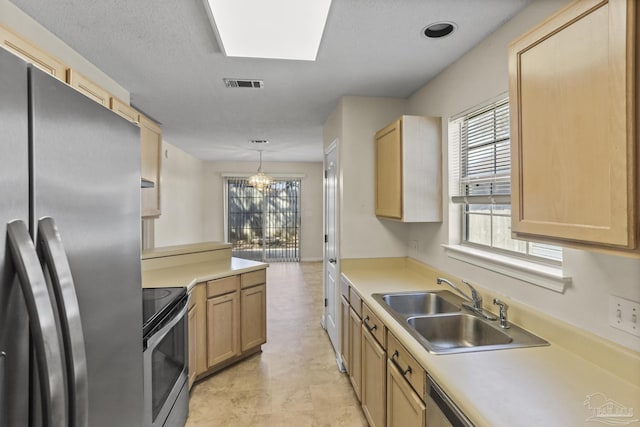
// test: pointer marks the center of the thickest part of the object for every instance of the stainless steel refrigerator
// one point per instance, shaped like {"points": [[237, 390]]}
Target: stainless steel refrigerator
{"points": [[70, 281]]}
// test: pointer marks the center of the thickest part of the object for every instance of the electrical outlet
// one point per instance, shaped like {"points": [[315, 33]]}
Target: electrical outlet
{"points": [[624, 314]]}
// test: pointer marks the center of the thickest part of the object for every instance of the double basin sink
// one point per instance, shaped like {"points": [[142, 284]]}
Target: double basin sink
{"points": [[438, 321]]}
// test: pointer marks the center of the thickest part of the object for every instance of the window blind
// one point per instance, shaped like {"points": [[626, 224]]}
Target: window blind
{"points": [[264, 225], [484, 175]]}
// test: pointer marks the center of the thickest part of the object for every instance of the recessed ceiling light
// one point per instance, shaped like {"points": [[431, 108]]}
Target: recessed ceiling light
{"points": [[279, 29], [438, 29]]}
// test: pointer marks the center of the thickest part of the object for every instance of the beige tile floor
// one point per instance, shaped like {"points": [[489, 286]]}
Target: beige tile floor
{"points": [[295, 380]]}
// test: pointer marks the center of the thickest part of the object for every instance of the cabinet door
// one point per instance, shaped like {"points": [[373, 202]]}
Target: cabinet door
{"points": [[150, 151], [254, 317], [389, 171], [404, 406], [355, 352], [573, 129], [193, 350], [124, 110], [223, 328], [88, 88], [344, 333], [374, 380], [32, 54]]}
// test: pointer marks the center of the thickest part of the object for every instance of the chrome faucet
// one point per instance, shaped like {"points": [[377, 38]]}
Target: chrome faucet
{"points": [[504, 323], [475, 299]]}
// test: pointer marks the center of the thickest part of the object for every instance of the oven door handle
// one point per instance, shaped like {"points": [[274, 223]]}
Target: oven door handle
{"points": [[55, 259], [159, 336]]}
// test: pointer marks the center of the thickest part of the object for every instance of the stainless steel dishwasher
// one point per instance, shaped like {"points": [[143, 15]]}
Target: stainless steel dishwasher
{"points": [[441, 411]]}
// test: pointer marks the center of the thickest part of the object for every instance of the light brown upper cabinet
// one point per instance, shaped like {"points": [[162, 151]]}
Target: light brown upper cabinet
{"points": [[124, 110], [32, 54], [150, 152], [88, 88], [408, 170], [574, 128]]}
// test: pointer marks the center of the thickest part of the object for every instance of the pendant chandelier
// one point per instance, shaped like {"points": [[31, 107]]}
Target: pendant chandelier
{"points": [[260, 180]]}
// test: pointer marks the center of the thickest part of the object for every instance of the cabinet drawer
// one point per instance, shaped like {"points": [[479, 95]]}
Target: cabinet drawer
{"points": [[254, 278], [356, 302], [222, 286], [344, 289], [411, 369], [373, 325]]}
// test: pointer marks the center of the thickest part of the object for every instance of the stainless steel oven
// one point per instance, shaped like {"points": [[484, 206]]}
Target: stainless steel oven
{"points": [[166, 391]]}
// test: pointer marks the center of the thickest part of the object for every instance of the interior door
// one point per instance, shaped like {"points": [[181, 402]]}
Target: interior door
{"points": [[331, 296]]}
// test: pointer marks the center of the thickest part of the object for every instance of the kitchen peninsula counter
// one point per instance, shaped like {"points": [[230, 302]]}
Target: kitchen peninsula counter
{"points": [[187, 265], [538, 386]]}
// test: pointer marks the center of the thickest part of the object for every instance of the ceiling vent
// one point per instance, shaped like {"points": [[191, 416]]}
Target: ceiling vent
{"points": [[233, 83]]}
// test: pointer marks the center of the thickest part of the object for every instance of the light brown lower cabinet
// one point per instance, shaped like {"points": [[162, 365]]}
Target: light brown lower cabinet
{"points": [[254, 316], [197, 320], [355, 352], [344, 333], [404, 406], [227, 322], [223, 324], [193, 328], [374, 380]]}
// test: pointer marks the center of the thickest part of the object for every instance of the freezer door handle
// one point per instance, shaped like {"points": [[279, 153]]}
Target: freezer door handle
{"points": [[51, 249], [46, 338]]}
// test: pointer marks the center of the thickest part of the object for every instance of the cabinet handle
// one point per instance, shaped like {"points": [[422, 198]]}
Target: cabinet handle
{"points": [[366, 324], [394, 359]]}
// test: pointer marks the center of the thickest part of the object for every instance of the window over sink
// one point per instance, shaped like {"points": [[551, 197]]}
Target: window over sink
{"points": [[480, 189]]}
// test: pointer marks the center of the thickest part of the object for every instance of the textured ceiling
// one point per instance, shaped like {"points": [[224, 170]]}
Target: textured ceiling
{"points": [[166, 55]]}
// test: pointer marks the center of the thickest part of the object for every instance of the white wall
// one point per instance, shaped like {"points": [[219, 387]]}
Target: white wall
{"points": [[477, 77], [353, 125], [24, 25], [311, 240], [181, 197]]}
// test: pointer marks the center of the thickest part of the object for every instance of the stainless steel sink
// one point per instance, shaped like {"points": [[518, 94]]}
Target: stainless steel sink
{"points": [[457, 331], [438, 321], [416, 303]]}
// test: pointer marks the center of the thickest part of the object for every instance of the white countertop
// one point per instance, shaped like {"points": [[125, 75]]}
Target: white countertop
{"points": [[540, 386], [189, 274]]}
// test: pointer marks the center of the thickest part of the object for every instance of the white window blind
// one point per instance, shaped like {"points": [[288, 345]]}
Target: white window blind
{"points": [[484, 156]]}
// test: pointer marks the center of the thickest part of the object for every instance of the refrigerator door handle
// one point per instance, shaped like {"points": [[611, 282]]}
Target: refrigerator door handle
{"points": [[49, 245], [46, 338]]}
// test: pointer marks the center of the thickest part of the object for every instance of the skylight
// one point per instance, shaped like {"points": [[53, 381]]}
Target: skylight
{"points": [[278, 29]]}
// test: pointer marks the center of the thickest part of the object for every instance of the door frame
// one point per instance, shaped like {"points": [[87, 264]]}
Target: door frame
{"points": [[325, 257]]}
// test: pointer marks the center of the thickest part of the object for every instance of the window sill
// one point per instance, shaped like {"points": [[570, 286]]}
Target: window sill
{"points": [[548, 277]]}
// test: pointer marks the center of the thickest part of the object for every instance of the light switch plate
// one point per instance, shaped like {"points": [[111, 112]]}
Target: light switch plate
{"points": [[624, 314]]}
